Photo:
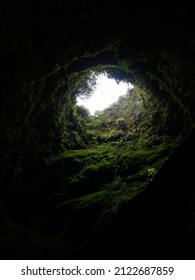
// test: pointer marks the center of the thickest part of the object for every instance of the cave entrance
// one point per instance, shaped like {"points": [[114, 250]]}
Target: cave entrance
{"points": [[101, 92], [108, 108]]}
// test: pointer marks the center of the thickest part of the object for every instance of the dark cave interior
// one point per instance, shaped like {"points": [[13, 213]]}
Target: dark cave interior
{"points": [[119, 185]]}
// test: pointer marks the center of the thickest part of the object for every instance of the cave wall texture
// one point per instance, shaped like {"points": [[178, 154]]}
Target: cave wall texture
{"points": [[45, 49]]}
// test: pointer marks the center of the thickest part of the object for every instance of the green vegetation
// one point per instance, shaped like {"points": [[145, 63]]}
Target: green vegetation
{"points": [[111, 157]]}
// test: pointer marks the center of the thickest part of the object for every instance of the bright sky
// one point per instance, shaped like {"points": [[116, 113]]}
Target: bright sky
{"points": [[106, 92]]}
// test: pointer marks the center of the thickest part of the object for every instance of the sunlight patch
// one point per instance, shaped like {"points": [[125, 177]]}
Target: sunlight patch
{"points": [[105, 92]]}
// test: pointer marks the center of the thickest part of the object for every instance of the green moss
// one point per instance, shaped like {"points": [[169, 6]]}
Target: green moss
{"points": [[95, 199]]}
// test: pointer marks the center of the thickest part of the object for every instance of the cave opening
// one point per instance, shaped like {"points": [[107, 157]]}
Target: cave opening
{"points": [[103, 92]]}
